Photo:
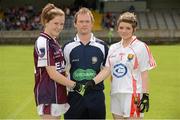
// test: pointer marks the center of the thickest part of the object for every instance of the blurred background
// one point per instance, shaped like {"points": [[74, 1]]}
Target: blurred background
{"points": [[158, 20]]}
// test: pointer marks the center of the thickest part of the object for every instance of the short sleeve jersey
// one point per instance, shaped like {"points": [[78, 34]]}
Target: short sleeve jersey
{"points": [[47, 52], [127, 64], [85, 61]]}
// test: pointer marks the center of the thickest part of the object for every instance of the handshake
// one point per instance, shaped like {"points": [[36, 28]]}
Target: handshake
{"points": [[82, 89]]}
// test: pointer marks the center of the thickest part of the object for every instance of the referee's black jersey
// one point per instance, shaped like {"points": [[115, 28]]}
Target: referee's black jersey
{"points": [[85, 61]]}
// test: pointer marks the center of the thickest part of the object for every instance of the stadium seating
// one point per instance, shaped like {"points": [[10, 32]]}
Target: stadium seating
{"points": [[143, 23], [162, 20], [169, 20], [176, 18], [152, 24], [152, 20]]}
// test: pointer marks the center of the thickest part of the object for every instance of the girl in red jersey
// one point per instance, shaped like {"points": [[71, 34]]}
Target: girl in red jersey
{"points": [[128, 62]]}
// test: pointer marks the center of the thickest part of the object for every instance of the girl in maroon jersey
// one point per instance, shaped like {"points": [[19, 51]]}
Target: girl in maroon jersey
{"points": [[50, 82]]}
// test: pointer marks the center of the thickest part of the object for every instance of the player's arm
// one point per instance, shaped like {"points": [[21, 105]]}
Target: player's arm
{"points": [[144, 102], [145, 82], [105, 71], [103, 74], [59, 78], [147, 62]]}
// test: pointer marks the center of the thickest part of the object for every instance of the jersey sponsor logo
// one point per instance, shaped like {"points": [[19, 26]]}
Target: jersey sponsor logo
{"points": [[81, 74], [60, 66], [94, 60], [120, 70], [41, 52]]}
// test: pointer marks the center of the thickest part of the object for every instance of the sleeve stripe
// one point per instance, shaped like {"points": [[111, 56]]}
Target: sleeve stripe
{"points": [[48, 56], [151, 59]]}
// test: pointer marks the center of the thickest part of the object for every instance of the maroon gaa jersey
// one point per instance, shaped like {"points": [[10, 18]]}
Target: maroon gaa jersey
{"points": [[47, 52]]}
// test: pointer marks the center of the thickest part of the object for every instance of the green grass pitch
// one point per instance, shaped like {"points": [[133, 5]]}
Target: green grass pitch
{"points": [[17, 82]]}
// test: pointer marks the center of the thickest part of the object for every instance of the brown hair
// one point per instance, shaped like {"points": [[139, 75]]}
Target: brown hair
{"points": [[128, 18], [49, 12], [83, 10]]}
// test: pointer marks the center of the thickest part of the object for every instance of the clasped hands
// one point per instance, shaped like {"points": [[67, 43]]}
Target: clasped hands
{"points": [[82, 89]]}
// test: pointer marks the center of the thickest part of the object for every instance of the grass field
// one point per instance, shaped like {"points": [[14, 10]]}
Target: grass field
{"points": [[17, 81]]}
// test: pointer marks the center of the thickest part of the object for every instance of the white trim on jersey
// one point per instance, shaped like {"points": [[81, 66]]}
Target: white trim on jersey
{"points": [[144, 56], [70, 46], [100, 46], [55, 109], [42, 51], [67, 50], [55, 84], [92, 39]]}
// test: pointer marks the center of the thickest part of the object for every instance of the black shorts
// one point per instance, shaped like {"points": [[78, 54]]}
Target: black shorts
{"points": [[90, 106]]}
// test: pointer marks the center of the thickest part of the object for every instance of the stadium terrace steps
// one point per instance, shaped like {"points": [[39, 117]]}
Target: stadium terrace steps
{"points": [[138, 21], [143, 20], [152, 20], [176, 18], [169, 20], [160, 20]]}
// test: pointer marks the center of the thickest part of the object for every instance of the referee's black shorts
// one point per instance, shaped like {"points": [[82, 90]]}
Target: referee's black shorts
{"points": [[89, 106]]}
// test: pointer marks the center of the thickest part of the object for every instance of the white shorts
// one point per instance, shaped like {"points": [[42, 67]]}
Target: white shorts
{"points": [[52, 109], [123, 104]]}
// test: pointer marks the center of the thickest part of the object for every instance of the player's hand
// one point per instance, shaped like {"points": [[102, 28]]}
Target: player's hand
{"points": [[89, 85], [144, 103], [80, 88]]}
